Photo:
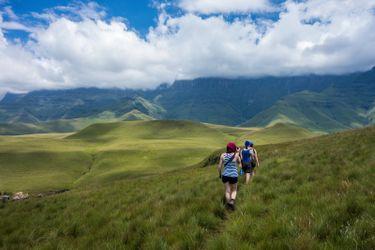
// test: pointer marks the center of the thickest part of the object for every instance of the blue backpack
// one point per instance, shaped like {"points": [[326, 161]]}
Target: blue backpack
{"points": [[246, 157]]}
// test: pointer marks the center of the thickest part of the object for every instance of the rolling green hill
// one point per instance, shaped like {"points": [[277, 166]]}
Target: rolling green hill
{"points": [[105, 151], [135, 115], [19, 128], [277, 133], [315, 193], [40, 162], [102, 152], [69, 125], [324, 111]]}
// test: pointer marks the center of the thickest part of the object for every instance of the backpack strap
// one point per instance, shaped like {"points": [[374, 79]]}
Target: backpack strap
{"points": [[230, 160]]}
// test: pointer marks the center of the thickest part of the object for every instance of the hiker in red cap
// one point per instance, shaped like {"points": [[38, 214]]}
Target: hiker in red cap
{"points": [[228, 173]]}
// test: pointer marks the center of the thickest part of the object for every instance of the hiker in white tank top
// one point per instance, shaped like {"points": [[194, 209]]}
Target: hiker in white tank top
{"points": [[230, 161]]}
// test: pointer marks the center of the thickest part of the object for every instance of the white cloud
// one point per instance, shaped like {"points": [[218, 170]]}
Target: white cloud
{"points": [[316, 36], [225, 6], [8, 10], [13, 23], [14, 26]]}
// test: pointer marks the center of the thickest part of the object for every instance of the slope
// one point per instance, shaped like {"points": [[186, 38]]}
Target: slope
{"points": [[326, 111], [230, 101], [213, 100], [50, 105], [102, 152], [277, 133], [135, 115], [70, 125], [300, 197], [40, 162]]}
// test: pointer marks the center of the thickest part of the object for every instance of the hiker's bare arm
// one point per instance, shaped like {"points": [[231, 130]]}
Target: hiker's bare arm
{"points": [[256, 157], [220, 164], [239, 160]]}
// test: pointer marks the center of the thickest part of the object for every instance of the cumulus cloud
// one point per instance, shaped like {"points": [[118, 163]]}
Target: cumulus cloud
{"points": [[81, 46], [225, 6]]}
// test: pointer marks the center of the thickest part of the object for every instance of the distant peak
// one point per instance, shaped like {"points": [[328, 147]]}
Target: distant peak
{"points": [[2, 95], [9, 97]]}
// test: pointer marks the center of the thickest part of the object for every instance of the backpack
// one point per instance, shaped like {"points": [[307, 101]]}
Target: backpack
{"points": [[246, 157]]}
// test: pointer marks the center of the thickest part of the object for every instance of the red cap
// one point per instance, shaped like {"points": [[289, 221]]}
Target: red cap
{"points": [[231, 147]]}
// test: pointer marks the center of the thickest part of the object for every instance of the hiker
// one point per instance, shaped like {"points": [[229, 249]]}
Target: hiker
{"points": [[229, 175], [249, 159]]}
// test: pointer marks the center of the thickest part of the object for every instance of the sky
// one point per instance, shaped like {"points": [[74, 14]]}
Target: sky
{"points": [[140, 44]]}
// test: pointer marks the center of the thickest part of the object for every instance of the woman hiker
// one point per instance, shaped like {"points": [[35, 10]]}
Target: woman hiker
{"points": [[228, 172], [250, 160]]}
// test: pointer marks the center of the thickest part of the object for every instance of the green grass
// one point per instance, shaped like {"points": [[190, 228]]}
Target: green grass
{"points": [[56, 126], [309, 194], [233, 132], [315, 194], [111, 151], [103, 152], [277, 133], [40, 162], [135, 115], [70, 125]]}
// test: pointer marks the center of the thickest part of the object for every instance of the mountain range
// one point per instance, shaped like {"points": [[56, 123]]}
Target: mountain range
{"points": [[318, 102]]}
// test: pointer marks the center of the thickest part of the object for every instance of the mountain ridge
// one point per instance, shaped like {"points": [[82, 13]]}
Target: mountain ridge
{"points": [[213, 100]]}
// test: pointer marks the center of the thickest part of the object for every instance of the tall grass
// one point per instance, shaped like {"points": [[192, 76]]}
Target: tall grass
{"points": [[112, 151], [309, 194]]}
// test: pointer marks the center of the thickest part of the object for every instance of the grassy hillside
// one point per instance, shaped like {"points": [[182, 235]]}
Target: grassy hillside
{"points": [[41, 162], [315, 193], [277, 133], [70, 125], [103, 152], [141, 148], [327, 111], [233, 132], [106, 151], [19, 128], [47, 105], [135, 115]]}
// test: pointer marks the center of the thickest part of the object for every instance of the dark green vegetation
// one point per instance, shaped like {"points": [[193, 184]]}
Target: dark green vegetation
{"points": [[322, 103], [308, 194], [69, 125], [71, 110], [346, 103], [328, 111]]}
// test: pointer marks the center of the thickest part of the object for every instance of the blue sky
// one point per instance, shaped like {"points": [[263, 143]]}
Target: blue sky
{"points": [[141, 14], [141, 44]]}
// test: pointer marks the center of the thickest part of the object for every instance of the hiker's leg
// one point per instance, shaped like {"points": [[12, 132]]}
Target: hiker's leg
{"points": [[251, 174], [254, 169], [227, 191], [247, 178], [233, 189]]}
